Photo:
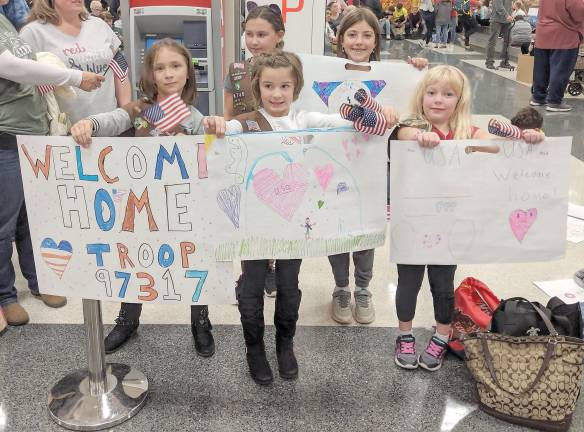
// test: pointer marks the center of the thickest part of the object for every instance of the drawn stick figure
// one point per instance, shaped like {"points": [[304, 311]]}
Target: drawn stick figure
{"points": [[308, 227]]}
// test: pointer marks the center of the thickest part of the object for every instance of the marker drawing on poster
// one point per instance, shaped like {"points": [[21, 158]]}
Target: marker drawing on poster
{"points": [[454, 206]]}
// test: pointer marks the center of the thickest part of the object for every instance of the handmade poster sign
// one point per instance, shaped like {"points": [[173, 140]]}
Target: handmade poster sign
{"points": [[146, 220], [298, 194], [479, 201], [332, 81], [111, 222]]}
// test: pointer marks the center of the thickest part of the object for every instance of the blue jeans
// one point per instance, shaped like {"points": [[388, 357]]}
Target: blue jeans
{"points": [[551, 72], [13, 227], [453, 24], [442, 33]]}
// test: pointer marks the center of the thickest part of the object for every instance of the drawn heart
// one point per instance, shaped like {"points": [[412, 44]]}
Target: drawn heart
{"points": [[320, 203], [324, 174], [521, 221], [56, 256], [229, 200], [282, 194]]}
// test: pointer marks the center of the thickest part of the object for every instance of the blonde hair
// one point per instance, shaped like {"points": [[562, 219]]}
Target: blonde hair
{"points": [[519, 5], [274, 60], [349, 20], [460, 121], [147, 84], [44, 11]]}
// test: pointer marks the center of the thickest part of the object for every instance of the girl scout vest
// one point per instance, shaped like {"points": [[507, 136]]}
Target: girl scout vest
{"points": [[240, 75], [253, 122]]}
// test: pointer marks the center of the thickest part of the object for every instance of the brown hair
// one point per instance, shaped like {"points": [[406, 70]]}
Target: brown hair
{"points": [[527, 118], [44, 11], [271, 14], [350, 19], [276, 59], [147, 84]]}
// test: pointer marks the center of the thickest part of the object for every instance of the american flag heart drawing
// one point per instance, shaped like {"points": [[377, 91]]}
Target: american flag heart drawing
{"points": [[56, 256]]}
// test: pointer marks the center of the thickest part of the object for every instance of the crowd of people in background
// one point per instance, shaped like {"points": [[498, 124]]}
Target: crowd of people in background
{"points": [[434, 22]]}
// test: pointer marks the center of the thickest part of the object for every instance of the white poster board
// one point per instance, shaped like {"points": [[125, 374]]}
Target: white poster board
{"points": [[451, 205], [146, 219], [304, 23], [301, 193], [328, 84]]}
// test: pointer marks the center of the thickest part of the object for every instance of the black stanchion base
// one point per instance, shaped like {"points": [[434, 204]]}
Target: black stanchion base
{"points": [[72, 405]]}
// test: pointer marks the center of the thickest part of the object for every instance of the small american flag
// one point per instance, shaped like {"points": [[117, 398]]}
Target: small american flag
{"points": [[372, 123], [168, 113], [367, 101], [44, 89], [119, 66], [351, 112], [504, 130]]}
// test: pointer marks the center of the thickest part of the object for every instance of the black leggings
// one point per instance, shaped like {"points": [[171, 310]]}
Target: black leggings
{"points": [[441, 278]]}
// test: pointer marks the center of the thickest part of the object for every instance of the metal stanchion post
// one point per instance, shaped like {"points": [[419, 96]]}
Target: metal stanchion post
{"points": [[103, 395]]}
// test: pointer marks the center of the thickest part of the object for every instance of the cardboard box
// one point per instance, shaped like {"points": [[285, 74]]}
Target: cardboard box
{"points": [[524, 68]]}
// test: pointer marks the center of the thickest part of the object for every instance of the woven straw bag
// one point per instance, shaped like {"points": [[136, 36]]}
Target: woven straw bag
{"points": [[529, 380]]}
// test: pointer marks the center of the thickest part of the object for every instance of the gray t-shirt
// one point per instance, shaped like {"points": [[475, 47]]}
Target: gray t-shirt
{"points": [[22, 109], [90, 51]]}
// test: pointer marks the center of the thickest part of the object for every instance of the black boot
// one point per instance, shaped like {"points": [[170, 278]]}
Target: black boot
{"points": [[259, 367], [127, 323], [285, 318], [201, 328], [251, 309]]}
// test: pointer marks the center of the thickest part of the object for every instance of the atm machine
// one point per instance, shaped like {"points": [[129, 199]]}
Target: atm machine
{"points": [[194, 23]]}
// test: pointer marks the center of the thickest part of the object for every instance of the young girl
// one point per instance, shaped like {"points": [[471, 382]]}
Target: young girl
{"points": [[263, 32], [359, 41], [276, 82], [443, 100], [167, 71]]}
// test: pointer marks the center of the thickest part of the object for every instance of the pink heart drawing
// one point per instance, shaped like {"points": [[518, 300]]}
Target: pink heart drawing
{"points": [[282, 194], [521, 221], [324, 174]]}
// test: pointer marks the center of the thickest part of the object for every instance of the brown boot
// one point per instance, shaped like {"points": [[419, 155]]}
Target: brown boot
{"points": [[15, 314], [53, 300]]}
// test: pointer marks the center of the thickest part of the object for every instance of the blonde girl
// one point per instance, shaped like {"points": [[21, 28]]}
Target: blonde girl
{"points": [[443, 100], [167, 71]]}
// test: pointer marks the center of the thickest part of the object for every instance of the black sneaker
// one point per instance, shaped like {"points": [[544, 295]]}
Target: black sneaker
{"points": [[270, 283], [490, 66], [533, 102], [201, 330]]}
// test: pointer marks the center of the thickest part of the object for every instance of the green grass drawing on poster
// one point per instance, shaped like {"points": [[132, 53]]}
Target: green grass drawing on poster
{"points": [[259, 246]]}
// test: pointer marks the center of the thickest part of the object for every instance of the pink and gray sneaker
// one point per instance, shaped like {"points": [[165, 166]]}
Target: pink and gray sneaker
{"points": [[432, 357], [405, 352]]}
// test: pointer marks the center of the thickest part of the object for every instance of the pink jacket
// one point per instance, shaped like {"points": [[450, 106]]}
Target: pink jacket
{"points": [[560, 24]]}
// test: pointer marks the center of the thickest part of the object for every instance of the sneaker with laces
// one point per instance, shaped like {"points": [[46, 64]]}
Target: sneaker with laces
{"points": [[561, 107], [364, 310], [341, 307], [432, 357], [533, 102], [579, 278], [405, 352]]}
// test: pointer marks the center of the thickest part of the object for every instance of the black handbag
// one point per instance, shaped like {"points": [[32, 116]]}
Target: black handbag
{"points": [[517, 317]]}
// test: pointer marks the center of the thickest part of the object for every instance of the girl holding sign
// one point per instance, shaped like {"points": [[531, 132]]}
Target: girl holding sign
{"points": [[276, 82], [358, 39], [442, 101], [167, 73], [264, 32]]}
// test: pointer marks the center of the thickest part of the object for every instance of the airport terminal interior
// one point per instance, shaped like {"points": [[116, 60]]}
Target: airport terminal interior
{"points": [[347, 380]]}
